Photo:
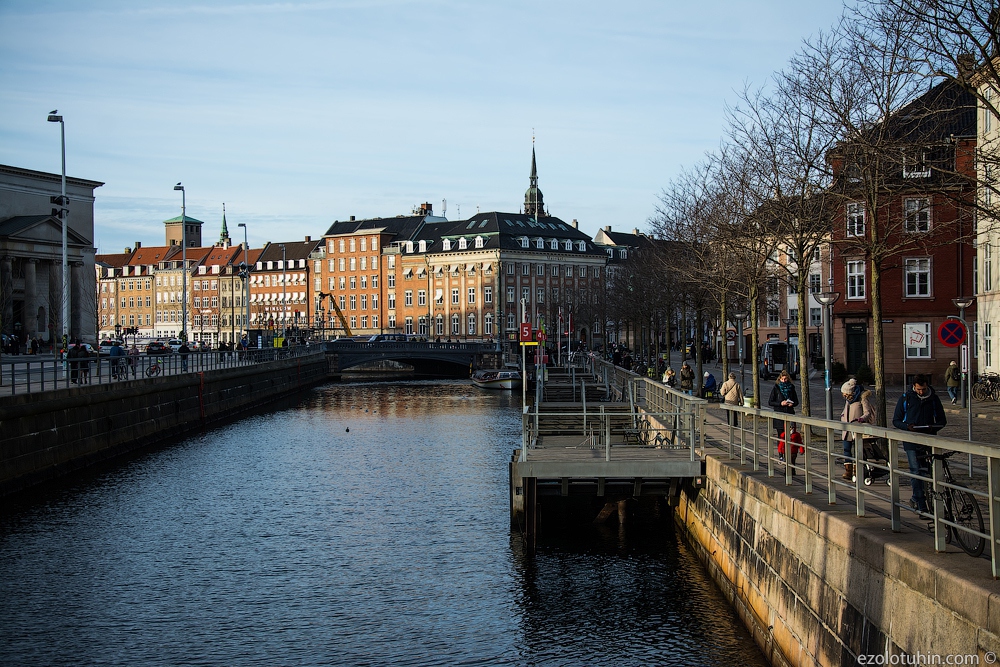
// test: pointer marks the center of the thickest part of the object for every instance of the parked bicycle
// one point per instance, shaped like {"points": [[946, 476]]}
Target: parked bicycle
{"points": [[119, 368], [961, 508], [987, 387], [153, 369]]}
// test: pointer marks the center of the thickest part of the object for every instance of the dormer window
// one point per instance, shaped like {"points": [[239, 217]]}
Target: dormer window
{"points": [[915, 163], [622, 253], [569, 244], [409, 246], [553, 244], [446, 244], [540, 244], [462, 243], [479, 241], [581, 246], [422, 245], [611, 252], [524, 241]]}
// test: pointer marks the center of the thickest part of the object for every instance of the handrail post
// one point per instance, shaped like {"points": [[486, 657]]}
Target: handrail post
{"points": [[583, 397], [607, 434], [993, 510]]}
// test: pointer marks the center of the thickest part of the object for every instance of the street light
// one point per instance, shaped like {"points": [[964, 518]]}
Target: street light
{"points": [[740, 315], [827, 299], [245, 274], [963, 302], [284, 302], [183, 262], [63, 216]]}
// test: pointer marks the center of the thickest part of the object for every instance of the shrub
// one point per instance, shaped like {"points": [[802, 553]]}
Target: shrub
{"points": [[838, 372], [864, 376]]}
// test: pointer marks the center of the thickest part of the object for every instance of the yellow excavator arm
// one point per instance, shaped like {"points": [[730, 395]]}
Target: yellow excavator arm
{"points": [[336, 309]]}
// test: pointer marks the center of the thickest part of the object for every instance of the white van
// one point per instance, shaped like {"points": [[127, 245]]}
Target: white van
{"points": [[776, 356]]}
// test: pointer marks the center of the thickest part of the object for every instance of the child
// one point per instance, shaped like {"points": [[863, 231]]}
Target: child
{"points": [[796, 448]]}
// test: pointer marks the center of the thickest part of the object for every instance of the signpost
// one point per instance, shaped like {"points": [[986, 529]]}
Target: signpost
{"points": [[951, 333]]}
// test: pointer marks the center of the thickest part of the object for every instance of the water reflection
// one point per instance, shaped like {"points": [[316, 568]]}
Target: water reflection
{"points": [[367, 524]]}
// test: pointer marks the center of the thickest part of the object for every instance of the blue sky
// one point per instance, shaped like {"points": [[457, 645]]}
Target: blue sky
{"points": [[299, 113]]}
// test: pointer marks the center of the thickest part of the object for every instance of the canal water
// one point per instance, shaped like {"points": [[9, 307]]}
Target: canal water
{"points": [[366, 524]]}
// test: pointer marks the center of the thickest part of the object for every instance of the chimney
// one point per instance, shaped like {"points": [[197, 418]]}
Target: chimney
{"points": [[607, 228], [426, 209], [635, 230], [966, 66], [308, 239], [138, 244], [576, 225], [352, 218]]}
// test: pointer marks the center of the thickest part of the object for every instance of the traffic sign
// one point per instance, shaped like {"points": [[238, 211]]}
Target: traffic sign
{"points": [[731, 334], [951, 333], [541, 336], [525, 331]]}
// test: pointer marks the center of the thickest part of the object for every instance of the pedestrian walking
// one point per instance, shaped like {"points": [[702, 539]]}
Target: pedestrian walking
{"points": [[857, 409], [687, 379], [953, 380], [732, 394], [783, 398], [919, 410]]}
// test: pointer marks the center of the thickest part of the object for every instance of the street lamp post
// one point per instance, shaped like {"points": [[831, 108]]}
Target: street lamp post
{"points": [[245, 273], [827, 299], [63, 216], [962, 303], [183, 262], [740, 315]]}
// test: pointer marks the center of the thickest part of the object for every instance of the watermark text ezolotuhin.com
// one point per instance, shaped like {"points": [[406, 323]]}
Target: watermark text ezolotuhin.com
{"points": [[918, 658]]}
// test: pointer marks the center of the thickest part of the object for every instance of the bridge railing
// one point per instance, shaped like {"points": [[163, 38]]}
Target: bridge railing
{"points": [[27, 374]]}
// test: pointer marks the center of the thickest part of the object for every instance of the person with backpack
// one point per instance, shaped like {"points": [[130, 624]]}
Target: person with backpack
{"points": [[919, 410], [732, 394], [953, 380], [857, 408]]}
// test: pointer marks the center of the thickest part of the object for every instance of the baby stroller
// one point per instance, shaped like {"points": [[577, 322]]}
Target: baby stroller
{"points": [[875, 450]]}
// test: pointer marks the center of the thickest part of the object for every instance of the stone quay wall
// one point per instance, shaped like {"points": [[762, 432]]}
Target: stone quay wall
{"points": [[48, 434], [817, 585]]}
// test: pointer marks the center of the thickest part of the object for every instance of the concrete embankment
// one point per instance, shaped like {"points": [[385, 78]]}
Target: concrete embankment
{"points": [[48, 434], [817, 585]]}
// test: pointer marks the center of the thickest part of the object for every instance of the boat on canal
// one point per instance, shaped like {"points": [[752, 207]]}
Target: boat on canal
{"points": [[497, 378]]}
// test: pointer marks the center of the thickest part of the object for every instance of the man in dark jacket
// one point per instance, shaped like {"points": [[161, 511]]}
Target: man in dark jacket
{"points": [[919, 410]]}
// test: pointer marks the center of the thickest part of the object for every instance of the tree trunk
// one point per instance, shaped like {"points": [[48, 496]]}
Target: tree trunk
{"points": [[754, 344], [803, 301], [725, 341], [878, 345]]}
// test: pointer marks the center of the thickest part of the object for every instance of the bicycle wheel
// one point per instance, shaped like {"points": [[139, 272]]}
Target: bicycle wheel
{"points": [[979, 391], [966, 512], [152, 370], [995, 391]]}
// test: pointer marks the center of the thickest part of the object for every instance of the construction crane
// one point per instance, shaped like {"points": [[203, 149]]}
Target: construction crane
{"points": [[336, 309]]}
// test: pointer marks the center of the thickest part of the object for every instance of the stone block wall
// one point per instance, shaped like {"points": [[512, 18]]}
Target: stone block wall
{"points": [[48, 434], [817, 585]]}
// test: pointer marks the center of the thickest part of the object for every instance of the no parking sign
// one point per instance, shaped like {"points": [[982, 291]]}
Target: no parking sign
{"points": [[951, 333]]}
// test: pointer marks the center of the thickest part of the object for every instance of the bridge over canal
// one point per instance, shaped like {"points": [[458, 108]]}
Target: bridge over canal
{"points": [[429, 357]]}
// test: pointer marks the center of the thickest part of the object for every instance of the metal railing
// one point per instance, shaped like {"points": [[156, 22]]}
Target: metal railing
{"points": [[754, 442], [27, 374]]}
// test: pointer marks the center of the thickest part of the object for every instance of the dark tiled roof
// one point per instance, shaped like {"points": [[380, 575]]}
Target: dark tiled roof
{"points": [[293, 250], [946, 109], [624, 238], [403, 227], [19, 223], [504, 230]]}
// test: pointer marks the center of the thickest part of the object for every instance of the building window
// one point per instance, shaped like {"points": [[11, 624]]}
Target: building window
{"points": [[855, 219], [510, 269], [555, 295], [918, 214], [422, 326], [354, 282], [391, 321], [353, 264], [354, 321], [472, 325], [488, 324], [915, 163], [540, 293], [354, 302], [439, 325], [462, 243], [472, 295], [569, 271], [374, 301], [446, 244], [454, 296], [456, 325], [511, 322], [988, 344], [343, 302], [555, 270], [364, 302], [815, 317], [364, 321], [793, 317], [511, 295], [479, 241], [772, 318], [390, 280], [918, 340], [524, 241], [987, 267], [526, 294], [540, 269], [390, 262], [526, 269], [421, 297], [487, 295], [408, 298], [815, 283], [917, 277], [408, 326], [856, 280], [342, 283]]}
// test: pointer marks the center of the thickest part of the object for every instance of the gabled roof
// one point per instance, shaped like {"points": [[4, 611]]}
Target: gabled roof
{"points": [[505, 231], [187, 218], [402, 227], [153, 254], [946, 110], [113, 261], [44, 228], [294, 250], [218, 255]]}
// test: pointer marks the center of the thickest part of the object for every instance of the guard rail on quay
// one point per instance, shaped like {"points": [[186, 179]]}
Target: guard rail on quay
{"points": [[753, 443], [26, 374]]}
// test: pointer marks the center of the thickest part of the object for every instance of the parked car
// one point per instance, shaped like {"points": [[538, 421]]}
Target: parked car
{"points": [[175, 344], [105, 347], [158, 347]]}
